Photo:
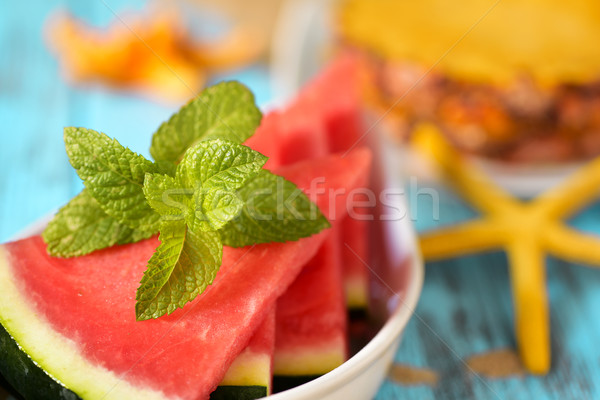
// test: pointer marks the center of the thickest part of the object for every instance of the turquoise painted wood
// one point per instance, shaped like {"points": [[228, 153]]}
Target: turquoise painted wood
{"points": [[465, 307], [36, 103]]}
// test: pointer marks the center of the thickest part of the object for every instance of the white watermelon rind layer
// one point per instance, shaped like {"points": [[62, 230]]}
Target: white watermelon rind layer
{"points": [[57, 355], [310, 361], [249, 369], [356, 292], [249, 377]]}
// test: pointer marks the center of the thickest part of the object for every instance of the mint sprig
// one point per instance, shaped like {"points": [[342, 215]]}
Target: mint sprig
{"points": [[217, 208], [224, 111], [194, 205], [167, 197], [204, 190]]}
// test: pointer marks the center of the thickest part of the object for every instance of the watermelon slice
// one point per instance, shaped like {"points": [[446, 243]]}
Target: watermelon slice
{"points": [[311, 337], [250, 375], [302, 135], [265, 139], [355, 249], [335, 96], [296, 134], [75, 317], [354, 252]]}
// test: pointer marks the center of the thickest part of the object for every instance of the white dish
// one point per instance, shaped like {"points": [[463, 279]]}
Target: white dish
{"points": [[303, 40], [526, 181], [396, 285]]}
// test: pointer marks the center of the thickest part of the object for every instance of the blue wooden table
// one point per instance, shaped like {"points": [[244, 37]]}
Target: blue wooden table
{"points": [[465, 308]]}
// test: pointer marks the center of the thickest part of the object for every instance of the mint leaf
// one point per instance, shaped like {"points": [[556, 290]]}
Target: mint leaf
{"points": [[166, 167], [114, 176], [203, 190], [168, 198], [224, 111], [219, 164], [181, 268], [275, 210], [217, 208], [82, 227]]}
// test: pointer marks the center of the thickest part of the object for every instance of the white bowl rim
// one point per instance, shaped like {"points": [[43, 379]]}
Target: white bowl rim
{"points": [[377, 346]]}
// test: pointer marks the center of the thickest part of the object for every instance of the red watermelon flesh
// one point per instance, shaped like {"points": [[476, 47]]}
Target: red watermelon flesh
{"points": [[302, 135], [330, 194], [354, 255], [265, 139], [335, 96], [325, 118], [84, 306], [296, 134], [355, 247], [311, 330]]}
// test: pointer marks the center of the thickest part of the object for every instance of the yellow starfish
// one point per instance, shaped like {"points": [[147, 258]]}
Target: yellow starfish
{"points": [[526, 230]]}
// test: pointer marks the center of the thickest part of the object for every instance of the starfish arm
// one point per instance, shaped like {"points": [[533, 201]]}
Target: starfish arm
{"points": [[477, 189], [577, 191], [238, 47], [473, 185], [571, 245], [532, 320], [468, 237]]}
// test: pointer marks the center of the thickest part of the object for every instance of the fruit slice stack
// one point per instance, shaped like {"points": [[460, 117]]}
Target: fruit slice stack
{"points": [[69, 328]]}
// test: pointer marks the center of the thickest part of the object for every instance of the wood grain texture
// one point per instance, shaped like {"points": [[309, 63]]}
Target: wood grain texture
{"points": [[465, 308], [36, 103]]}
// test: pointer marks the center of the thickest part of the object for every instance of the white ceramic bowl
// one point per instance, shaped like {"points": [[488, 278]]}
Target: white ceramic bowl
{"points": [[396, 281], [526, 181]]}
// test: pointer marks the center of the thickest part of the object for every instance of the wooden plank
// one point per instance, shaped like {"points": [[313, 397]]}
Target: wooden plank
{"points": [[33, 106], [466, 309]]}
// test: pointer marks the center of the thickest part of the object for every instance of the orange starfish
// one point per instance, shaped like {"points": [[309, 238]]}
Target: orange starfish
{"points": [[155, 54]]}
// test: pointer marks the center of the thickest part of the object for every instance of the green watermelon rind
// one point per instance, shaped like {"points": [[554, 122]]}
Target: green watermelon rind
{"points": [[227, 392], [56, 355], [25, 376], [282, 383]]}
